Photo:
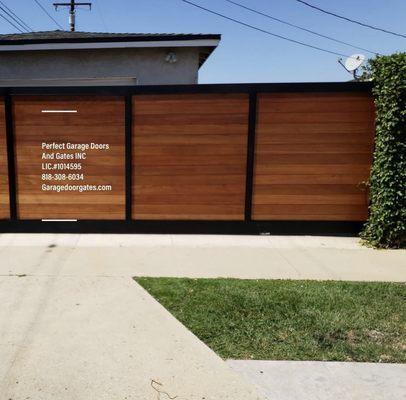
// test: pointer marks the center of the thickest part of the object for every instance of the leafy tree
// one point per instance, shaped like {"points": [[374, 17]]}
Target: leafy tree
{"points": [[386, 226]]}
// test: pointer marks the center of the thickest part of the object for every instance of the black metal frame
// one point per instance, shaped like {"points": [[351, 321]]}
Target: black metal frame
{"points": [[317, 87], [129, 225], [128, 156], [10, 156], [249, 184], [325, 228]]}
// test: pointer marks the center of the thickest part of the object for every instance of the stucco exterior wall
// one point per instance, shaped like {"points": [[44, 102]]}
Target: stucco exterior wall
{"points": [[148, 66]]}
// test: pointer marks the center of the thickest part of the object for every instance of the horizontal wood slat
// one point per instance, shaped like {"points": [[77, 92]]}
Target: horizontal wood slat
{"points": [[4, 191], [312, 158], [189, 156], [99, 120], [313, 154], [311, 169], [190, 212], [318, 148]]}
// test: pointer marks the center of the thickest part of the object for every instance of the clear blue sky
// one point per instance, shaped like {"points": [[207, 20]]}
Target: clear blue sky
{"points": [[244, 55]]}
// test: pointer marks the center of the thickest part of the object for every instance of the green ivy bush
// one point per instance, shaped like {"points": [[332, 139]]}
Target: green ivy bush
{"points": [[386, 226]]}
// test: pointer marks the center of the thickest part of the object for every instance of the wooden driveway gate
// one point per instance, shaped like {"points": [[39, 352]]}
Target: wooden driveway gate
{"points": [[280, 158]]}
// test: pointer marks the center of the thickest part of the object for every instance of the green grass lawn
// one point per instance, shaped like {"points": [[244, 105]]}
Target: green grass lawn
{"points": [[290, 320]]}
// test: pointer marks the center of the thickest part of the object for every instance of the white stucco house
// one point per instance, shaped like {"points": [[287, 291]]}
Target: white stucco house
{"points": [[62, 58]]}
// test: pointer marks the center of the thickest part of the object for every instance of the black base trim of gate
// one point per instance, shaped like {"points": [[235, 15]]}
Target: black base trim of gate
{"points": [[325, 228]]}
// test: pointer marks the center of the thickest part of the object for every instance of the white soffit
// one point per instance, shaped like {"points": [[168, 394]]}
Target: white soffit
{"points": [[111, 45]]}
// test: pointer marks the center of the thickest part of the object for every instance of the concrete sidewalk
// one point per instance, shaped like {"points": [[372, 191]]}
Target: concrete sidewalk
{"points": [[66, 335], [252, 257], [75, 326], [298, 380]]}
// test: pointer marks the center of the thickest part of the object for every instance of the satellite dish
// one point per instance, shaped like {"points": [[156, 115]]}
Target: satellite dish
{"points": [[352, 63]]}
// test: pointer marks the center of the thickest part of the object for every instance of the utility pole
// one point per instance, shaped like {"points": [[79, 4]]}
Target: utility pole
{"points": [[72, 11]]}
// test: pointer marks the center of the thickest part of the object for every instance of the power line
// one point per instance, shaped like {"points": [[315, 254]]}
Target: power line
{"points": [[299, 27], [11, 23], [101, 16], [350, 20], [15, 17], [263, 30], [49, 15]]}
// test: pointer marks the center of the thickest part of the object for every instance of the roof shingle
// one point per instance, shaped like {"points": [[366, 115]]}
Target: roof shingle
{"points": [[59, 36]]}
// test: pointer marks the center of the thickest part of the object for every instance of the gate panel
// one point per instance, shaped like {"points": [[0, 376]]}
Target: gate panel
{"points": [[189, 156], [4, 193], [70, 157], [313, 155]]}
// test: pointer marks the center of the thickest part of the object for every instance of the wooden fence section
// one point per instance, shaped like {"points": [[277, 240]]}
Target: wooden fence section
{"points": [[4, 191], [313, 155], [69, 120], [189, 156], [249, 158]]}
